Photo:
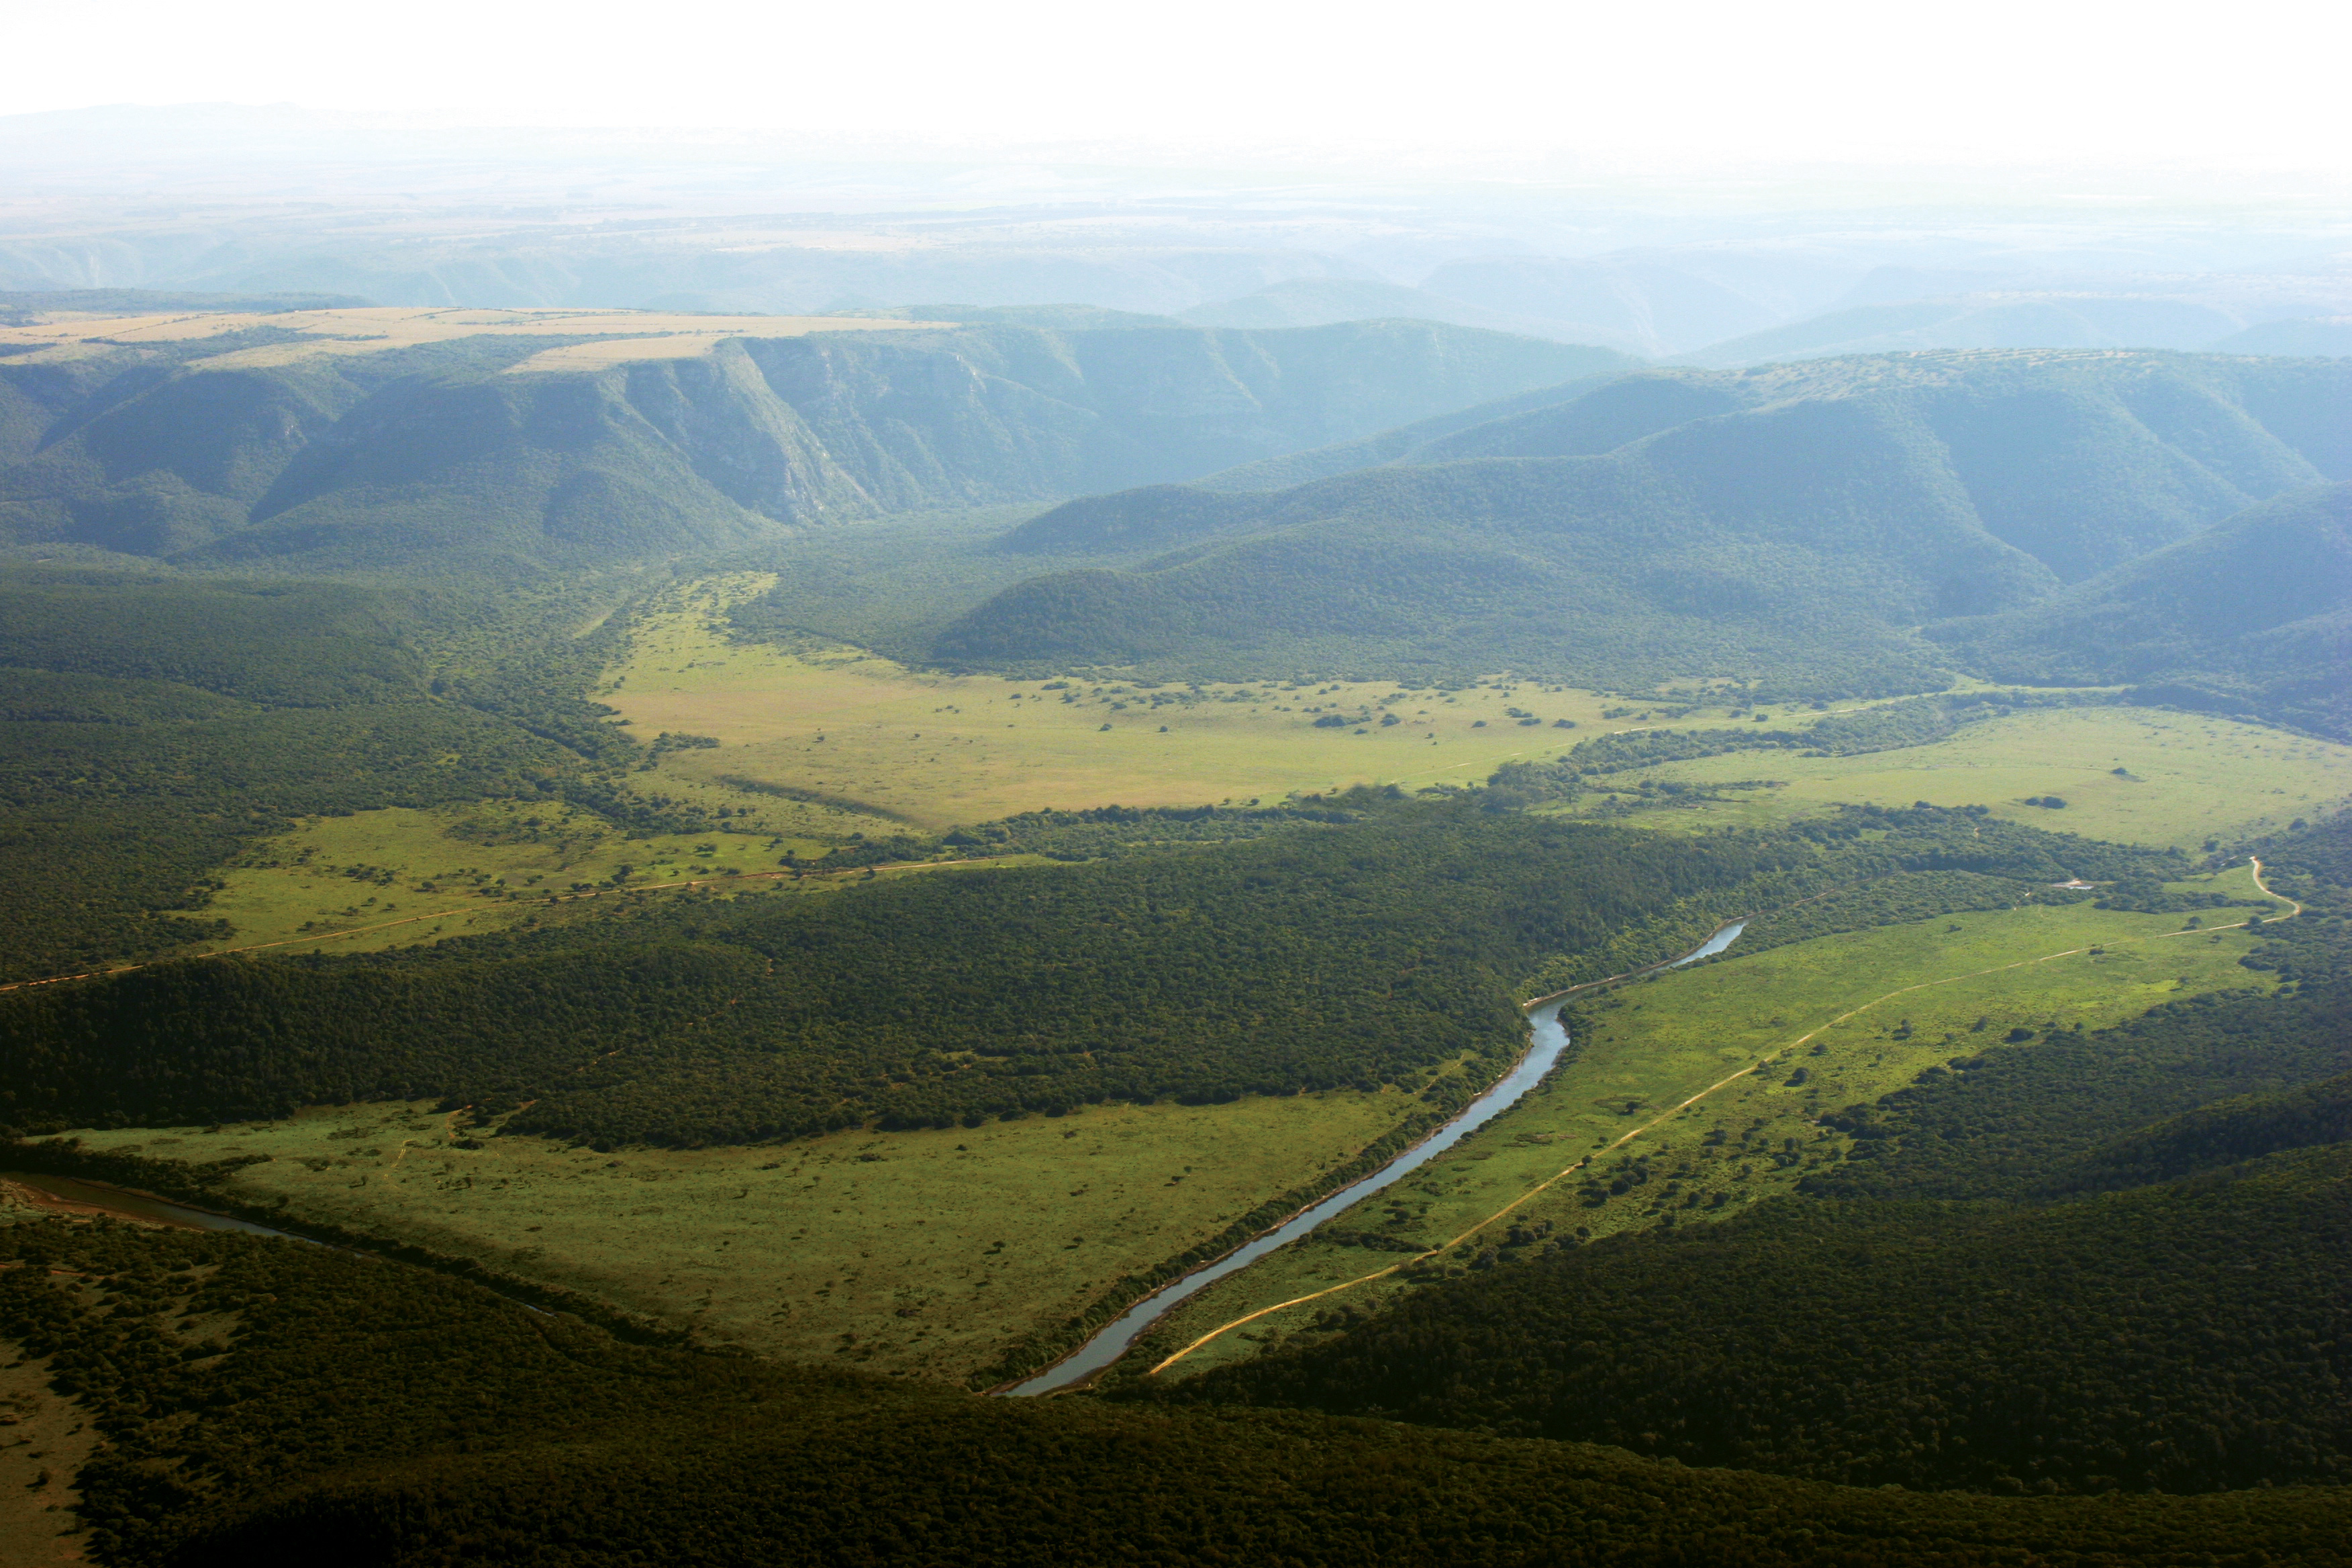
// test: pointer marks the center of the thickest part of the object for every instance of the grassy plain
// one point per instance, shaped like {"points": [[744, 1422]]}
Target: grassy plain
{"points": [[939, 750], [922, 1253], [472, 868], [361, 330], [932, 749], [1652, 1045], [2186, 777]]}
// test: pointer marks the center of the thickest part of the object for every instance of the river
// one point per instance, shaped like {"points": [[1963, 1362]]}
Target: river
{"points": [[137, 1206], [1550, 1039]]}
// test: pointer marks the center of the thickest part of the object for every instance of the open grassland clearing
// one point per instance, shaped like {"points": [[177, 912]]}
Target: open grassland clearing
{"points": [[848, 727], [1642, 1049], [923, 1253], [359, 330], [2135, 775], [475, 867]]}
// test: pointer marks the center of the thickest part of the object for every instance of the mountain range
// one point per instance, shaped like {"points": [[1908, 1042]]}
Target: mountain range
{"points": [[1790, 525], [458, 453]]}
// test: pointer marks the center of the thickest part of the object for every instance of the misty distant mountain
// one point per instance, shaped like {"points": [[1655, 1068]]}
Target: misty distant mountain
{"points": [[1983, 321], [1788, 525], [2330, 336], [190, 199], [2290, 310], [1322, 302], [1646, 305], [2252, 615], [25, 305]]}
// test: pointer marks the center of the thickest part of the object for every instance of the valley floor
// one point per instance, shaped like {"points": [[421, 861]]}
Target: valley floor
{"points": [[936, 750], [931, 1253]]}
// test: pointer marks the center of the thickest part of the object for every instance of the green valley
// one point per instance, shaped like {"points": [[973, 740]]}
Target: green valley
{"points": [[768, 882]]}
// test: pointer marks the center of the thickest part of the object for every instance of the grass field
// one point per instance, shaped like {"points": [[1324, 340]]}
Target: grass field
{"points": [[471, 868], [931, 751], [846, 726], [2185, 778], [921, 1253], [1652, 1043], [654, 334], [939, 750]]}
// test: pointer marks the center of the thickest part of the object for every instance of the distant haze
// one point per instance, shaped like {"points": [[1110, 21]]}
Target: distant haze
{"points": [[1504, 87]]}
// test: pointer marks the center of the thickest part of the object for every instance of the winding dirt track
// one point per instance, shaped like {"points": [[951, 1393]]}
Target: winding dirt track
{"points": [[1549, 1182]]}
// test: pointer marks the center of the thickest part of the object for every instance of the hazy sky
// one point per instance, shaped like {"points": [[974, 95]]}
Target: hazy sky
{"points": [[2255, 84]]}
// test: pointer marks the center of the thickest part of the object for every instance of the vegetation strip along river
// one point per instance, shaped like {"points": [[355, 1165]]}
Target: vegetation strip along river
{"points": [[1549, 1040]]}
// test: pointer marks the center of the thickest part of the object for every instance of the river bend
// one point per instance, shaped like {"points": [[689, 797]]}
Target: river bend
{"points": [[1550, 1039]]}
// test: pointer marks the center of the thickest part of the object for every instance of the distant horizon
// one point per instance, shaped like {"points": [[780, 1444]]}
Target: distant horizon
{"points": [[1723, 173], [2041, 89]]}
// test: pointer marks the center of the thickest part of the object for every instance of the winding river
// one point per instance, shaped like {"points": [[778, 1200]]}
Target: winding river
{"points": [[1551, 1039]]}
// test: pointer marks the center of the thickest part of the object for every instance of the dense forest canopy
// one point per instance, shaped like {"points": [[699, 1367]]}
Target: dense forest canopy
{"points": [[268, 1400], [153, 725], [2249, 616]]}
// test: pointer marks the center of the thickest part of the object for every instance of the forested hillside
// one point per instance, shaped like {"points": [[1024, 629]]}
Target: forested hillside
{"points": [[436, 458], [267, 1401], [2153, 1340], [1785, 525], [1362, 955], [2253, 615]]}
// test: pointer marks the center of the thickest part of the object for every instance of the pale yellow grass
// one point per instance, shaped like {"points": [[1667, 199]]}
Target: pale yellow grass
{"points": [[934, 750], [468, 868], [659, 334]]}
